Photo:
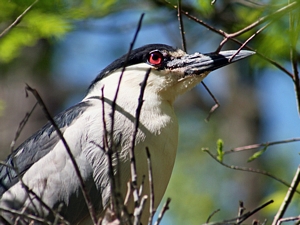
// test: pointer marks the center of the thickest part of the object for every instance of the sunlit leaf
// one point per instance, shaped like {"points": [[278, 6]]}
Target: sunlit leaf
{"points": [[257, 154], [220, 151]]}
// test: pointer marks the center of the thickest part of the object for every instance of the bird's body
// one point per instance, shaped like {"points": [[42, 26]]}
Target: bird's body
{"points": [[45, 166]]}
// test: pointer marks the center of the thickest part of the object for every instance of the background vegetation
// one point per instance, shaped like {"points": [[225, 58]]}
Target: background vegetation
{"points": [[59, 46]]}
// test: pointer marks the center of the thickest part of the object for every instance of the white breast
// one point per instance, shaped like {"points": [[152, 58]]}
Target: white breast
{"points": [[158, 130]]}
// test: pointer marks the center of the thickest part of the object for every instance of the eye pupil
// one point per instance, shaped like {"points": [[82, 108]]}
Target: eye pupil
{"points": [[155, 58]]}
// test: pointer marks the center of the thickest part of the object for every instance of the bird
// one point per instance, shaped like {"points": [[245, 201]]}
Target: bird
{"points": [[44, 166]]}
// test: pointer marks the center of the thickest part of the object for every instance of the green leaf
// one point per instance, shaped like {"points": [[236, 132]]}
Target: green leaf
{"points": [[46, 25], [220, 150], [257, 154], [11, 44]]}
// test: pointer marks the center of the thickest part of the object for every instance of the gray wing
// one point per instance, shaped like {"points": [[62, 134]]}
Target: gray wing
{"points": [[36, 147]]}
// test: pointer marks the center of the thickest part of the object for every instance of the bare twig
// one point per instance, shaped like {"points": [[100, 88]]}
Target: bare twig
{"points": [[139, 204], [248, 40], [151, 187], [77, 171], [108, 139], [139, 210], [249, 170], [129, 191], [241, 218], [114, 102], [163, 211], [142, 187], [250, 213], [217, 104], [108, 149], [17, 20], [288, 198], [21, 126], [25, 215], [135, 131], [289, 219], [181, 27], [32, 195], [124, 67], [241, 211], [255, 146], [212, 214], [57, 218]]}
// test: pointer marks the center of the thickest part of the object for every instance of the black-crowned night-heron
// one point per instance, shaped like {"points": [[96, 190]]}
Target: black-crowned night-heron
{"points": [[42, 160]]}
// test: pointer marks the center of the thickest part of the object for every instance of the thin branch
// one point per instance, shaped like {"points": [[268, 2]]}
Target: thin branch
{"points": [[248, 214], [163, 211], [181, 27], [21, 126], [129, 191], [151, 187], [241, 211], [110, 145], [109, 153], [255, 146], [17, 20], [211, 215], [242, 218], [25, 215], [126, 60], [249, 170], [57, 216], [139, 210], [134, 135], [215, 106], [141, 187], [289, 219], [288, 198], [77, 170], [114, 102], [248, 40], [31, 194], [17, 134]]}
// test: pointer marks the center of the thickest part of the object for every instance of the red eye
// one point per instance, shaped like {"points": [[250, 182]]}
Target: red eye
{"points": [[155, 58]]}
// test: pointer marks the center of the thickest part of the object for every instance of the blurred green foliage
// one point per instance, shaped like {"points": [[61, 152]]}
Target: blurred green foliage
{"points": [[34, 26], [192, 179], [45, 20]]}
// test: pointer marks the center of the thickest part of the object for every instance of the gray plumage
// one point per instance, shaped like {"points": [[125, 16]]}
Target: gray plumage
{"points": [[26, 154]]}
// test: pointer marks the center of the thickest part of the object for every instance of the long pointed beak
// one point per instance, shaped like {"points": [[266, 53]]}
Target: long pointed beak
{"points": [[197, 63]]}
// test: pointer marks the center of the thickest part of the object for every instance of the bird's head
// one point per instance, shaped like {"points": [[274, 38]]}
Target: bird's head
{"points": [[173, 71]]}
